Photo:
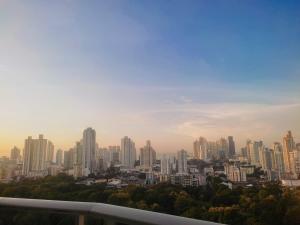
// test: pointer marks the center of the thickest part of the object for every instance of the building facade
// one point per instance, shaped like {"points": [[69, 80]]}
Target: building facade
{"points": [[89, 151], [35, 156], [128, 153], [147, 156], [59, 157], [288, 147], [182, 162]]}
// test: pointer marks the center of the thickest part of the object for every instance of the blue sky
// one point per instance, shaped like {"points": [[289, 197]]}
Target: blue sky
{"points": [[168, 71]]}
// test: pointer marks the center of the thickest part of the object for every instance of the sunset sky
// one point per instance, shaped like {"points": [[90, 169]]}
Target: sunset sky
{"points": [[168, 71]]}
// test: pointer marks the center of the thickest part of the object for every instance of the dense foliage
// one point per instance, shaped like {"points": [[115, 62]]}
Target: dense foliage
{"points": [[267, 205]]}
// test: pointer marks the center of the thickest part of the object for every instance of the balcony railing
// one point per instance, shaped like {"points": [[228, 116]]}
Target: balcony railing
{"points": [[111, 214]]}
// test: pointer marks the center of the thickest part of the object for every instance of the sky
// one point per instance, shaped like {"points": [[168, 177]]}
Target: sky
{"points": [[168, 71]]}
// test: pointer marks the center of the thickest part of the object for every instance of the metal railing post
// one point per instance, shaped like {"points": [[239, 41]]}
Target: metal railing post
{"points": [[81, 219]]}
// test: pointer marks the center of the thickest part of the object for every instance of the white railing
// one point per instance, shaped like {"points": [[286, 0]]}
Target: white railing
{"points": [[111, 214]]}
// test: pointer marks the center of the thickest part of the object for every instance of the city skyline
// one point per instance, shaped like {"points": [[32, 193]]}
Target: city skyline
{"points": [[165, 71], [86, 158], [238, 149]]}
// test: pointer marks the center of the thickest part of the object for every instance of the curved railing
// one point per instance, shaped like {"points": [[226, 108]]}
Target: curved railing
{"points": [[111, 214]]}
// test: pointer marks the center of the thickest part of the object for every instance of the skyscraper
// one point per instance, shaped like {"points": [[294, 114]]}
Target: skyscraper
{"points": [[59, 157], [253, 150], [278, 159], [49, 152], [114, 154], [196, 150], [78, 154], [222, 146], [89, 151], [182, 161], [296, 155], [104, 156], [265, 158], [244, 152], [128, 152], [248, 151], [147, 156], [213, 150], [15, 154], [77, 159], [231, 147], [69, 159], [288, 147], [27, 154], [35, 155], [201, 149], [165, 167]]}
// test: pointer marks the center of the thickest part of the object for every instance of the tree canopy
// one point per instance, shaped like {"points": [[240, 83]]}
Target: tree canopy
{"points": [[267, 205]]}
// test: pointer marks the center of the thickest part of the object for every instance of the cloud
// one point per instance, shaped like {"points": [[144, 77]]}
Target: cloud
{"points": [[263, 121]]}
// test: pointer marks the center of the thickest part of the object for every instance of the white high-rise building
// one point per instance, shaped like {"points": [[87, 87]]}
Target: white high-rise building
{"points": [[89, 151], [278, 159], [59, 157], [288, 147], [253, 150], [223, 148], [165, 165], [104, 158], [78, 154], [77, 159], [297, 159], [147, 156], [69, 159], [212, 150], [265, 158], [128, 152], [114, 154], [50, 152], [231, 147], [27, 154], [15, 154], [182, 161], [35, 155], [201, 149]]}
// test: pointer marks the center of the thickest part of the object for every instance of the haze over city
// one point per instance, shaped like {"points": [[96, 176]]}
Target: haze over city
{"points": [[169, 74]]}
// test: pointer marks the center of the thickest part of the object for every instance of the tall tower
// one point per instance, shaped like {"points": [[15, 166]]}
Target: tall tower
{"points": [[165, 167], [128, 152], [49, 152], [265, 158], [114, 152], [182, 161], [148, 156], [59, 157], [15, 154], [77, 160], [201, 149], [231, 147], [40, 154], [35, 155], [297, 160], [89, 151], [27, 154], [78, 154], [288, 146], [69, 159], [196, 150], [278, 159], [248, 150], [222, 146], [254, 152]]}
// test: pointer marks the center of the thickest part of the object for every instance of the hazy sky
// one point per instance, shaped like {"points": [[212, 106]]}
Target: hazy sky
{"points": [[168, 71]]}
